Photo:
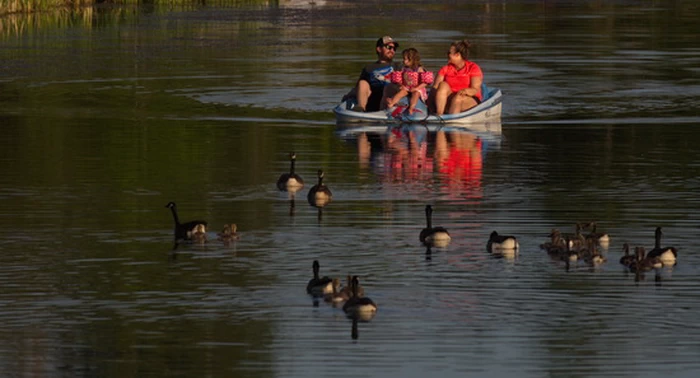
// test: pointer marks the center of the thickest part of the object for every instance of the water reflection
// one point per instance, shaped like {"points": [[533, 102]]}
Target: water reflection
{"points": [[354, 328], [85, 242], [354, 332], [292, 205], [444, 157], [428, 253]]}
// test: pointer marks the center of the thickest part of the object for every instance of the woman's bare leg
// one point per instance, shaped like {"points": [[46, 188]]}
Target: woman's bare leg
{"points": [[461, 103], [442, 92]]}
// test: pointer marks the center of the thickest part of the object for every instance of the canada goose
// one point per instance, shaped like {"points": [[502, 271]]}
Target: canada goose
{"points": [[577, 240], [319, 194], [290, 181], [348, 288], [319, 286], [228, 233], [591, 255], [602, 238], [497, 243], [627, 260], [556, 245], [644, 263], [667, 255], [337, 296], [184, 231], [568, 254], [199, 233], [435, 236], [361, 307]]}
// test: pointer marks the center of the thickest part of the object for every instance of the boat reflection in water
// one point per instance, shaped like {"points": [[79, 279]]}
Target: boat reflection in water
{"points": [[448, 157]]}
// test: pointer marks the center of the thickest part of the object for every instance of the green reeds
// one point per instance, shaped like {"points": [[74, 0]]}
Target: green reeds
{"points": [[30, 6], [22, 23], [18, 17]]}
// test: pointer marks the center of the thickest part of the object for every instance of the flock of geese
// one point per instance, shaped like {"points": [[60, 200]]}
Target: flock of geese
{"points": [[351, 297], [569, 248], [572, 248], [196, 231]]}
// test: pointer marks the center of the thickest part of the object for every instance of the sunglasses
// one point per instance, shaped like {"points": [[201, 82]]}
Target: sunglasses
{"points": [[390, 47]]}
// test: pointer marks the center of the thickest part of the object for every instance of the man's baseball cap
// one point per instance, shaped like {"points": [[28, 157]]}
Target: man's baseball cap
{"points": [[385, 40]]}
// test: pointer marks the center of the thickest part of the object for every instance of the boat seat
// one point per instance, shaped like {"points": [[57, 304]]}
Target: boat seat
{"points": [[485, 92]]}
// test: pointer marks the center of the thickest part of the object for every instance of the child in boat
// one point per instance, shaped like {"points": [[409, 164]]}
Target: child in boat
{"points": [[413, 80], [458, 84]]}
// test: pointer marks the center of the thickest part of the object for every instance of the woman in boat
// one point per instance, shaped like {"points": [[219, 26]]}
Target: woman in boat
{"points": [[457, 86], [373, 83]]}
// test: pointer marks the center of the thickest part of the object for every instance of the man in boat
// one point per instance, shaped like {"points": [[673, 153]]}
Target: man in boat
{"points": [[374, 86]]}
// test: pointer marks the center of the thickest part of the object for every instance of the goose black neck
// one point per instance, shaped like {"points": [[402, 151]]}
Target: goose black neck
{"points": [[291, 169], [657, 237], [355, 283], [316, 269], [173, 209], [428, 216]]}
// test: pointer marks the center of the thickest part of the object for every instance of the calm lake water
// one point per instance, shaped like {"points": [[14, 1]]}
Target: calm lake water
{"points": [[109, 114]]}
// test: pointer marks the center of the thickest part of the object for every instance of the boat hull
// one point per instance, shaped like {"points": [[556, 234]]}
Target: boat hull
{"points": [[487, 110]]}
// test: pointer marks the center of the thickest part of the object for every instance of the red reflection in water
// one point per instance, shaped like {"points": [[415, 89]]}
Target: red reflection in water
{"points": [[412, 154], [406, 157], [459, 158]]}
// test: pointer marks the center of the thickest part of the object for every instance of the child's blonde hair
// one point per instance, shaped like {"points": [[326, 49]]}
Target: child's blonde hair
{"points": [[413, 57]]}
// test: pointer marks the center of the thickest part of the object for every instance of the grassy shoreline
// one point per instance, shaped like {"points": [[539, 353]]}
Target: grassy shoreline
{"points": [[31, 6], [8, 7]]}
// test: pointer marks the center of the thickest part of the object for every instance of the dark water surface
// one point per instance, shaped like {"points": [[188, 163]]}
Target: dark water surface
{"points": [[108, 115]]}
